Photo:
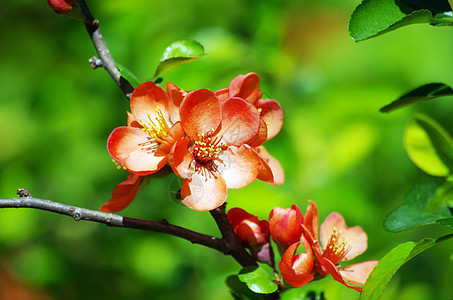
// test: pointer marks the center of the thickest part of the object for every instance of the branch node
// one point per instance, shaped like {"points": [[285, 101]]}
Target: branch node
{"points": [[95, 62], [23, 192]]}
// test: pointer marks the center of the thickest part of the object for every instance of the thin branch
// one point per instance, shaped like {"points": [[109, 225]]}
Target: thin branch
{"points": [[108, 62], [113, 220]]}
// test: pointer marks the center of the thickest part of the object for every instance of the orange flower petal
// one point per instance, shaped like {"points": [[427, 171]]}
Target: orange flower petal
{"points": [[124, 140], [144, 163], [358, 273], [175, 95], [200, 113], [203, 193], [239, 166], [285, 226], [176, 133], [148, 99], [296, 270], [355, 236], [181, 158], [261, 137], [123, 194], [270, 169], [272, 115], [240, 122], [246, 87], [311, 219]]}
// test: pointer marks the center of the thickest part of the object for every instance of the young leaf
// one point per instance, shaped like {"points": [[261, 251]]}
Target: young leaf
{"points": [[239, 289], [391, 262], [415, 210], [179, 53], [126, 74], [258, 279], [429, 146], [426, 92], [375, 17]]}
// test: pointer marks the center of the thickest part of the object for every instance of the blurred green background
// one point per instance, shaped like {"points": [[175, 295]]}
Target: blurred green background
{"points": [[336, 148]]}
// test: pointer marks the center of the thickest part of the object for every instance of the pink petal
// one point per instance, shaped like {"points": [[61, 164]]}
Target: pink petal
{"points": [[239, 166], [123, 194], [355, 236], [125, 140], [272, 114], [358, 273], [175, 95], [240, 122], [144, 163], [203, 193], [246, 87], [270, 169], [176, 133], [200, 113], [146, 99], [181, 158]]}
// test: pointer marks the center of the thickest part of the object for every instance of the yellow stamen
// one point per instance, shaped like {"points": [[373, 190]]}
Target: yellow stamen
{"points": [[156, 129], [337, 247]]}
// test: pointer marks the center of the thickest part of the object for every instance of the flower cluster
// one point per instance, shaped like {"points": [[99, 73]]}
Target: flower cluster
{"points": [[213, 140], [289, 228]]}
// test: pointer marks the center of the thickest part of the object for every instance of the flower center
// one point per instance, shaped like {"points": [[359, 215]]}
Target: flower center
{"points": [[207, 148], [337, 247], [157, 130]]}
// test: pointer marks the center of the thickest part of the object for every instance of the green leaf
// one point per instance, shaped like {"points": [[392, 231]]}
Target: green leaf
{"points": [[391, 262], [258, 279], [126, 74], [426, 92], [429, 146], [239, 290], [306, 292], [415, 210], [179, 53], [375, 17]]}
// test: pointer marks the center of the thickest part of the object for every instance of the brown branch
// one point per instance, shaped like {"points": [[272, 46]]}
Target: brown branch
{"points": [[92, 26], [113, 220]]}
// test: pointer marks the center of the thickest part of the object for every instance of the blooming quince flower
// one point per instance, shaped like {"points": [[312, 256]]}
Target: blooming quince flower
{"points": [[143, 146], [296, 269], [254, 233], [341, 243], [271, 121], [285, 226], [214, 154], [123, 194]]}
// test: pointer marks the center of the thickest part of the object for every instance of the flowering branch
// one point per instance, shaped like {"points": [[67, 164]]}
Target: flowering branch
{"points": [[92, 26], [229, 244]]}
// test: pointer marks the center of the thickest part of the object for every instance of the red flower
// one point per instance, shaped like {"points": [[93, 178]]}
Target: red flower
{"points": [[143, 146], [285, 226], [341, 243], [62, 6], [296, 269], [271, 121], [254, 233], [214, 156], [123, 194]]}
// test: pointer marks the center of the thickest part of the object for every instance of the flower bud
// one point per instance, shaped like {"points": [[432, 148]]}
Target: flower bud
{"points": [[286, 226], [254, 233], [67, 7]]}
